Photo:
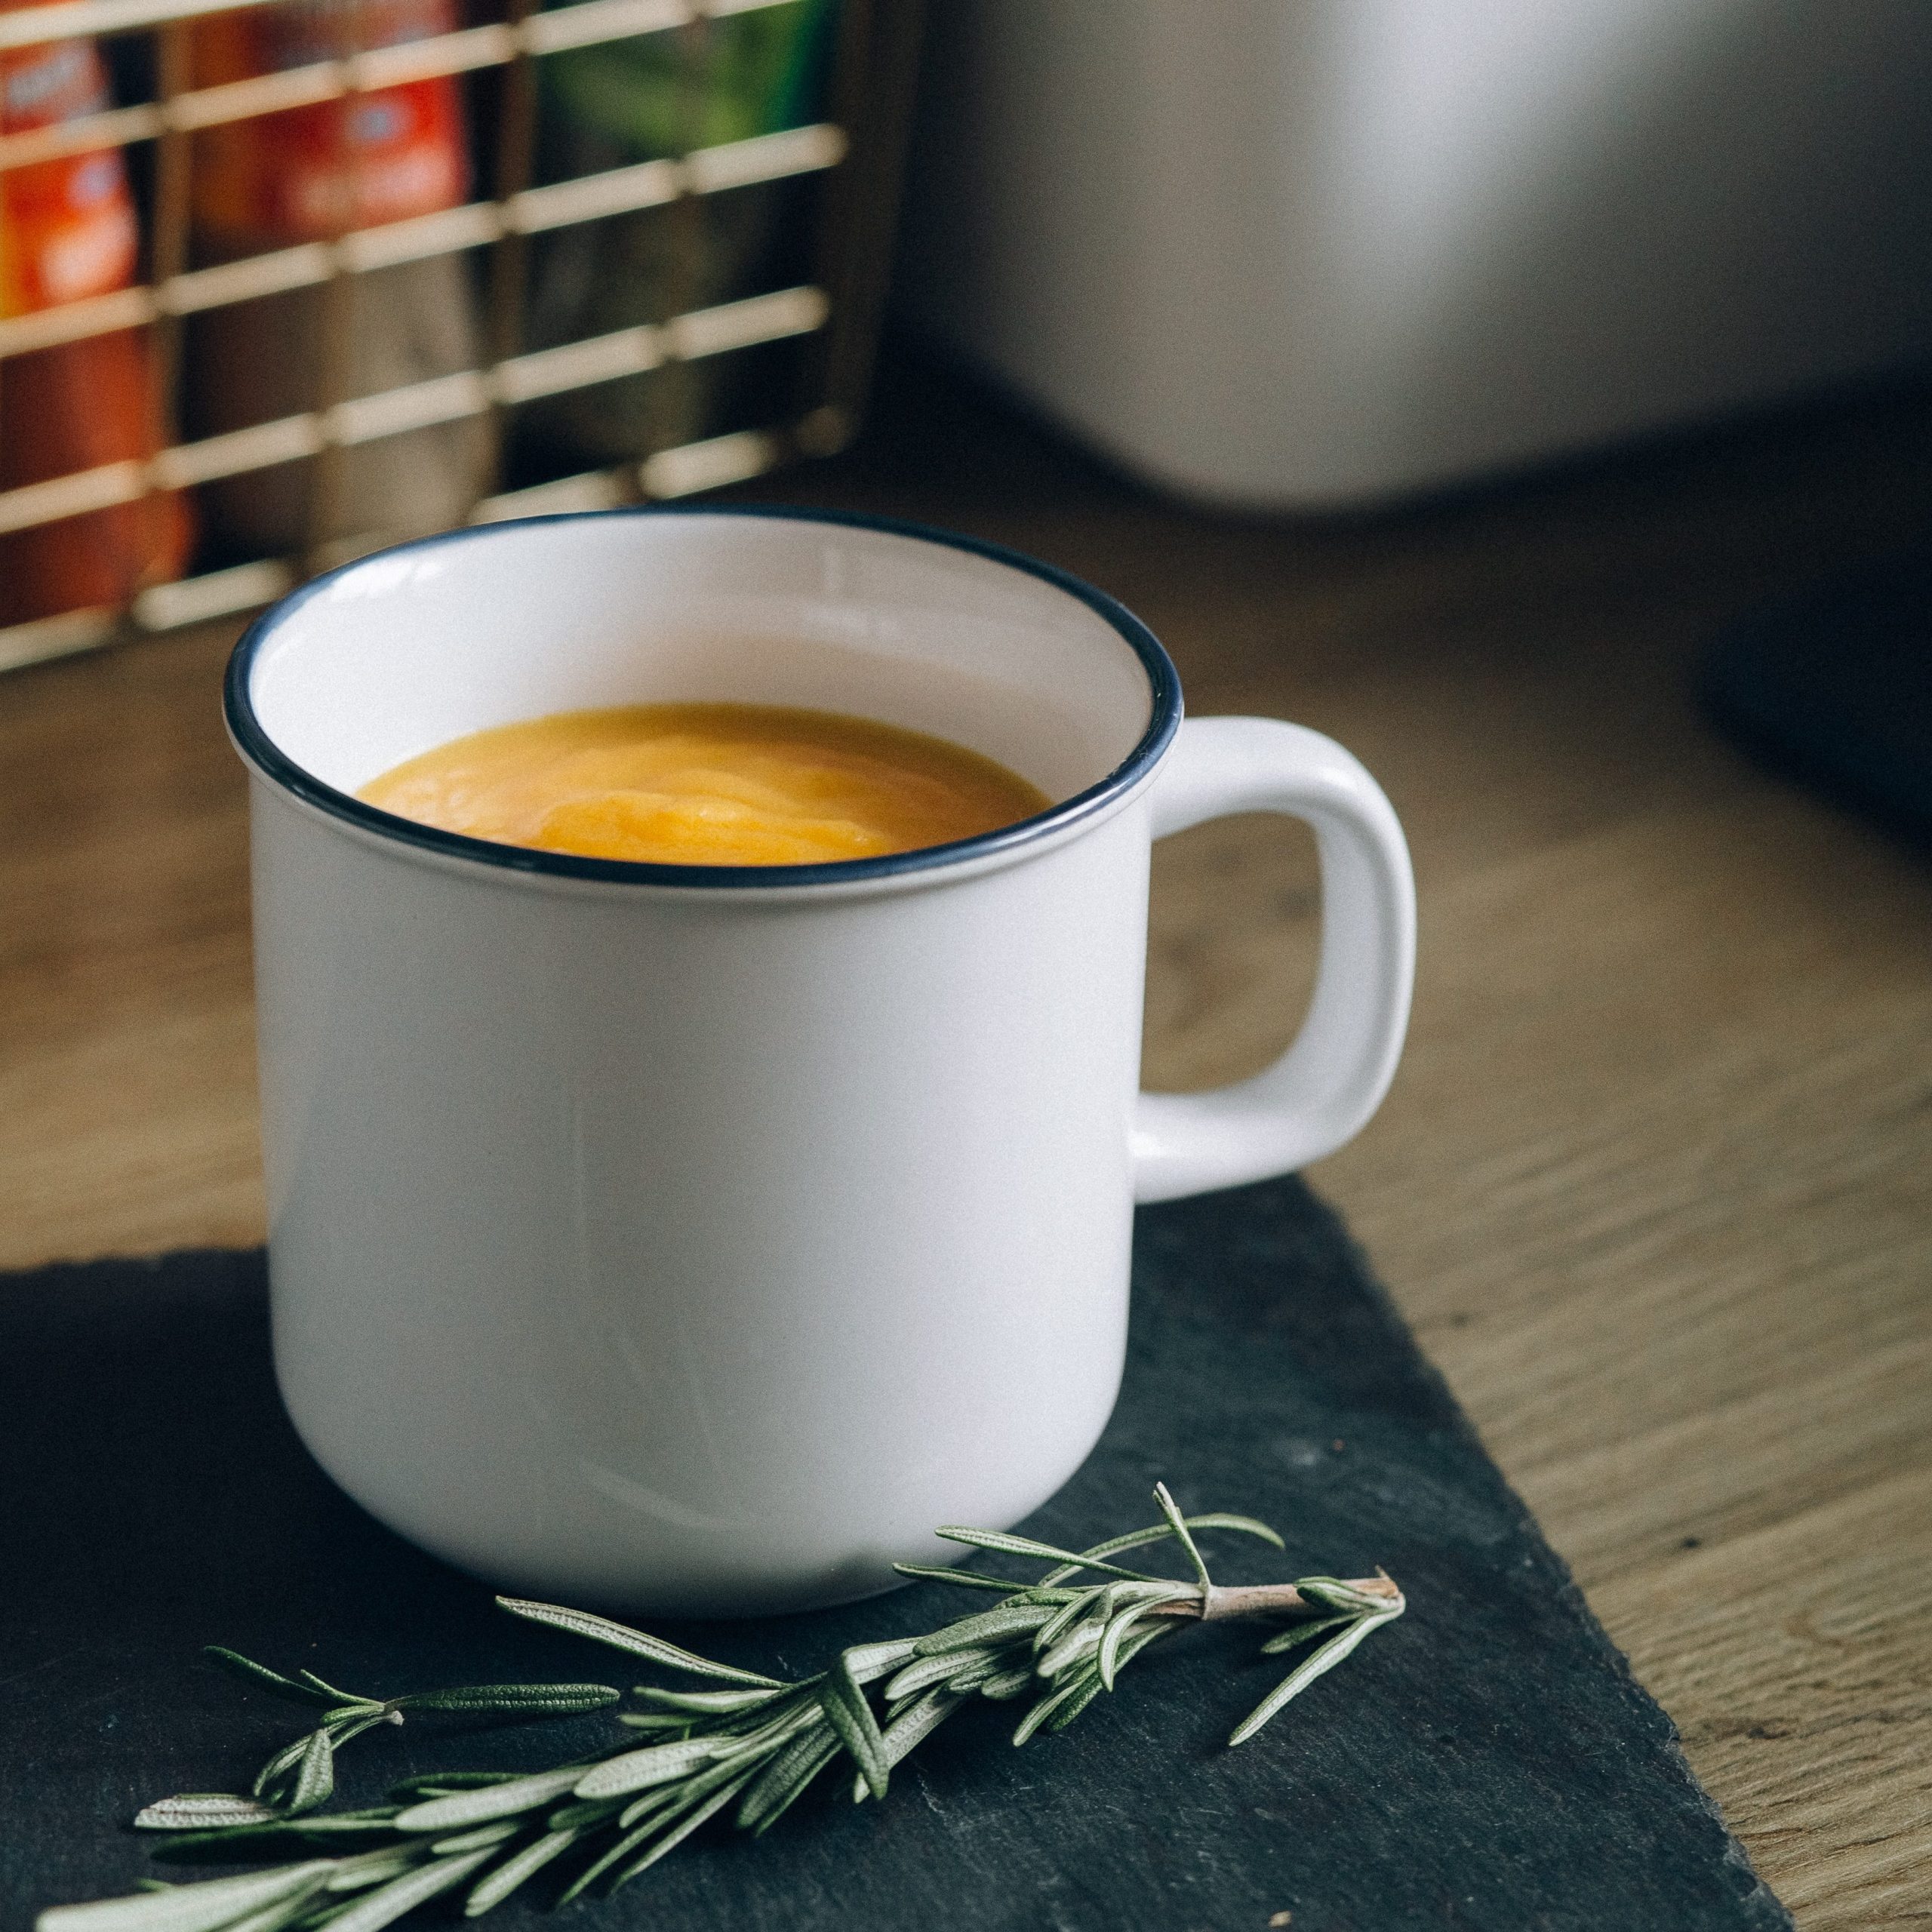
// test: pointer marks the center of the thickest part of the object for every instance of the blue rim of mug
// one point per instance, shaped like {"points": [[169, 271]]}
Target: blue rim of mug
{"points": [[261, 751]]}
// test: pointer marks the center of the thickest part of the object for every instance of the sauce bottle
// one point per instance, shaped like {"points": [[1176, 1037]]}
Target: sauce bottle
{"points": [[309, 173], [67, 232], [615, 103]]}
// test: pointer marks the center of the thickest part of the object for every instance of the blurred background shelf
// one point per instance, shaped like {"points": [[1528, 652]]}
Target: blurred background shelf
{"points": [[280, 283]]}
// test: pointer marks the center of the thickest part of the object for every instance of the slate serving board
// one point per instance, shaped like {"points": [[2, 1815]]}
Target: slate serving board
{"points": [[1486, 1761]]}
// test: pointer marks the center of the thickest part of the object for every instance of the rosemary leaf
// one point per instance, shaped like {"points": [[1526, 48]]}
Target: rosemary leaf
{"points": [[1247, 1526], [635, 1771], [1013, 1546], [1139, 1638], [1305, 1673], [660, 1799], [464, 1808], [201, 1810], [206, 1907], [789, 1720], [512, 1700], [931, 1573], [785, 1779], [591, 1872], [446, 1784], [659, 1811], [525, 1864], [1010, 1684], [1299, 1633], [850, 1715], [264, 1678], [621, 1636], [970, 1679], [1079, 1643], [672, 1839], [736, 1771], [1055, 1700], [1098, 1605], [1218, 1519], [1085, 1689], [482, 1837], [273, 1918], [262, 1840], [269, 1777], [662, 1823], [383, 1907], [314, 1775], [1078, 1605], [329, 1689], [990, 1626], [941, 1667], [577, 1814], [913, 1727], [864, 1663], [705, 1700], [909, 1729], [374, 1868], [1331, 1593], [1107, 1658], [1178, 1523], [365, 1879]]}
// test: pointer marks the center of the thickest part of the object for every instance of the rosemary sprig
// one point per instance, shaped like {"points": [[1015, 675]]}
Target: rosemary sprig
{"points": [[749, 1747], [302, 1775]]}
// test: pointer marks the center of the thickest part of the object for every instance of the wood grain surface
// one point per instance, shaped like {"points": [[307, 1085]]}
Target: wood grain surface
{"points": [[1654, 1184]]}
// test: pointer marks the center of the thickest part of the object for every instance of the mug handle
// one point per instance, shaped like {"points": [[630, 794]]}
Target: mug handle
{"points": [[1320, 1093]]}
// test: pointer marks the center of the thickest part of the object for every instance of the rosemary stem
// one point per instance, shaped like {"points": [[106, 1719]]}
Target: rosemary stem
{"points": [[1265, 1599]]}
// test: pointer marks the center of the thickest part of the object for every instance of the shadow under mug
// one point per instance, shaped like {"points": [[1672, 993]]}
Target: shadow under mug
{"points": [[698, 1238]]}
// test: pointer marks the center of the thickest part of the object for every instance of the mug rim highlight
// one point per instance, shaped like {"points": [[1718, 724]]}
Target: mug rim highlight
{"points": [[260, 751]]}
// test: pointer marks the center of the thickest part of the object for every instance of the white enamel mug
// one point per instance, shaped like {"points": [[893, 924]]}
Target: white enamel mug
{"points": [[697, 1239]]}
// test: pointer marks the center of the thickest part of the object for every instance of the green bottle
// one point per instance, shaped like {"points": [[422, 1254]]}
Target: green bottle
{"points": [[662, 94]]}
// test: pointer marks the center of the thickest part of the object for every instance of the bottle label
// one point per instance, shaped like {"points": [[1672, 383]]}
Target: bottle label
{"points": [[69, 224], [311, 172]]}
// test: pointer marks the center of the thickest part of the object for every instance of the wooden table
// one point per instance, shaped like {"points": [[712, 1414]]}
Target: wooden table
{"points": [[1654, 1184]]}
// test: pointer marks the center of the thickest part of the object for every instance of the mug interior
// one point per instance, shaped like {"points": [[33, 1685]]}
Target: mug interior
{"points": [[403, 651]]}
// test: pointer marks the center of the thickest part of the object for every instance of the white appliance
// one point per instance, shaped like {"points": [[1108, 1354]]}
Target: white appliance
{"points": [[1305, 254]]}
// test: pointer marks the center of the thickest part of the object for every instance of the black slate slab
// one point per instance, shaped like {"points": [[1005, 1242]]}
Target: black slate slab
{"points": [[1486, 1761]]}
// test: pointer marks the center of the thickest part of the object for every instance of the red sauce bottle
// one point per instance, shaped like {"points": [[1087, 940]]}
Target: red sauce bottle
{"points": [[67, 231]]}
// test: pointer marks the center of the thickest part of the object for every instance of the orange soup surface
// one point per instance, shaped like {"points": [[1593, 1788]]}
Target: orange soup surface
{"points": [[707, 784]]}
